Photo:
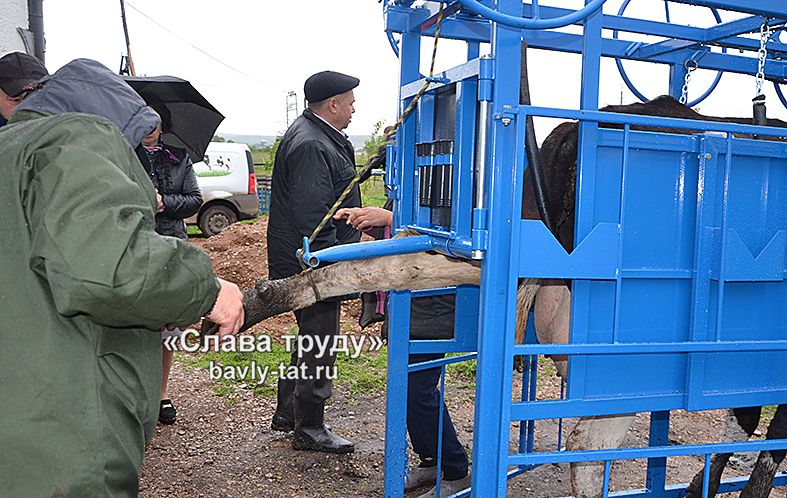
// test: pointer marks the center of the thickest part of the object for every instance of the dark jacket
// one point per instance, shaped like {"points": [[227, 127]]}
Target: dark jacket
{"points": [[314, 164], [173, 176], [431, 317]]}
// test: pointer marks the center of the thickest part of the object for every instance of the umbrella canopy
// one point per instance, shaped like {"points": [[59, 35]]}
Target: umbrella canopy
{"points": [[188, 119]]}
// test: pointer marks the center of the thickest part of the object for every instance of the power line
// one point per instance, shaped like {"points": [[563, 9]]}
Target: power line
{"points": [[204, 52]]}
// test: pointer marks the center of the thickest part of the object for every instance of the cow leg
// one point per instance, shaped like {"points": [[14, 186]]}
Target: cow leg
{"points": [[525, 295], [552, 315], [759, 485], [594, 433], [739, 426]]}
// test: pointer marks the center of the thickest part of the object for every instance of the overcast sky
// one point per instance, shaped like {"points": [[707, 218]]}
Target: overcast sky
{"points": [[244, 55]]}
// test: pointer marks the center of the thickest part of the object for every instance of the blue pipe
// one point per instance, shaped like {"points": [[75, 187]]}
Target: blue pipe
{"points": [[394, 44], [525, 23], [635, 90], [366, 250], [543, 457]]}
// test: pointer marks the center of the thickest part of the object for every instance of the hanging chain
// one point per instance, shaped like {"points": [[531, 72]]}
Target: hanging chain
{"points": [[762, 54], [690, 66]]}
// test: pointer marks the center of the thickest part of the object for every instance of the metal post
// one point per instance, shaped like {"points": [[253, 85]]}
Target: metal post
{"points": [[498, 280], [396, 399], [399, 303], [657, 467]]}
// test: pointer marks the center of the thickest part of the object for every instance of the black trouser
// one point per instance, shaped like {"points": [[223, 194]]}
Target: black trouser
{"points": [[319, 320], [423, 411]]}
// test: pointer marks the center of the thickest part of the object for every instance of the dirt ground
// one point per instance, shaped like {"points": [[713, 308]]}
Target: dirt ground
{"points": [[223, 446]]}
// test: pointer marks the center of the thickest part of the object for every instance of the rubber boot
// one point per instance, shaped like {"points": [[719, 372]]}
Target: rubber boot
{"points": [[284, 418], [311, 432]]}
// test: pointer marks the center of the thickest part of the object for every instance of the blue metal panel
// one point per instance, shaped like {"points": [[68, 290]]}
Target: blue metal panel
{"points": [[679, 262]]}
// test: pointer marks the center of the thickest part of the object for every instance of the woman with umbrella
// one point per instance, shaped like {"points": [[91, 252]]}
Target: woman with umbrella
{"points": [[178, 197]]}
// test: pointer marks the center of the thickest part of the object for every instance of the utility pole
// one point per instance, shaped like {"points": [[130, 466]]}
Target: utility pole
{"points": [[292, 107], [126, 62]]}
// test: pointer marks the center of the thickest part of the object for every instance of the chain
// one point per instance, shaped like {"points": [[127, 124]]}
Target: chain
{"points": [[684, 93], [762, 54], [359, 174]]}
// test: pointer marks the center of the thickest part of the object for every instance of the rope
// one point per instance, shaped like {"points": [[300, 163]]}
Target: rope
{"points": [[368, 165]]}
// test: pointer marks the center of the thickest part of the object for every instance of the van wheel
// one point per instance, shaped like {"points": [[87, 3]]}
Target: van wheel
{"points": [[216, 218]]}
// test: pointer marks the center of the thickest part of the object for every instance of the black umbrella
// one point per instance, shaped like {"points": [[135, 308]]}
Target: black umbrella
{"points": [[188, 119]]}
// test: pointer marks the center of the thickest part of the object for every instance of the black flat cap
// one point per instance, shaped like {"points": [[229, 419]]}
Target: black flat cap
{"points": [[326, 84], [17, 70]]}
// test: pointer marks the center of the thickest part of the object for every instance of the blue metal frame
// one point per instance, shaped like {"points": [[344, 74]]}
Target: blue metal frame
{"points": [[673, 316]]}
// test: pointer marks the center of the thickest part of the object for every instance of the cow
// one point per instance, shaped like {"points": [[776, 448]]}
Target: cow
{"points": [[549, 299]]}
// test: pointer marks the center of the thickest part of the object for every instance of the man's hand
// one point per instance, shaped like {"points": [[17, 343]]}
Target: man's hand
{"points": [[365, 217], [159, 203], [227, 311]]}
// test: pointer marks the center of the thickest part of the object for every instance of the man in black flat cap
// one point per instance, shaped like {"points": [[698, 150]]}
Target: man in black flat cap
{"points": [[17, 71], [314, 164]]}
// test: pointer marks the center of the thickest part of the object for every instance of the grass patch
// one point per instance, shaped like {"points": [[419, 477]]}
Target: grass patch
{"points": [[364, 376], [373, 192], [264, 170], [212, 173], [767, 415], [463, 370]]}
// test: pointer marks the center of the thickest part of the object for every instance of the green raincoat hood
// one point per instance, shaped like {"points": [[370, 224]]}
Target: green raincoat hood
{"points": [[88, 87]]}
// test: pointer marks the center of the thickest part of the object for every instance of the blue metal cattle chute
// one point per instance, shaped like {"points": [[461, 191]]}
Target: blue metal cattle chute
{"points": [[678, 269]]}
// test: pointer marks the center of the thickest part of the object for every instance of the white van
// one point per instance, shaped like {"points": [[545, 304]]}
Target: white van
{"points": [[229, 187]]}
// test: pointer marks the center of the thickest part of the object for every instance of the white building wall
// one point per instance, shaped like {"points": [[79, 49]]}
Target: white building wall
{"points": [[13, 15]]}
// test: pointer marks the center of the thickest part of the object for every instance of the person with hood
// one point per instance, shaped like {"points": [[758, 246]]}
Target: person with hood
{"points": [[17, 72], [314, 164], [86, 285]]}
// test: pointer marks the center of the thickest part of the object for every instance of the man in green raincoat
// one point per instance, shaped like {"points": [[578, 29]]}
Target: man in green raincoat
{"points": [[86, 285]]}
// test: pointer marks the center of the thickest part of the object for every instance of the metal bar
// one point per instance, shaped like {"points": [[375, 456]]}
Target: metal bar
{"points": [[399, 302], [700, 299], [657, 467], [761, 7], [458, 73], [466, 117], [706, 476], [605, 485], [498, 281], [749, 24], [729, 485], [725, 198], [621, 219], [441, 362], [649, 50], [440, 432], [396, 398], [571, 43], [640, 120], [654, 452], [649, 347], [373, 249]]}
